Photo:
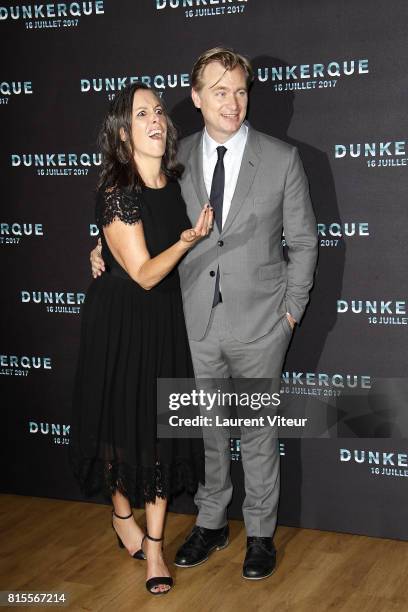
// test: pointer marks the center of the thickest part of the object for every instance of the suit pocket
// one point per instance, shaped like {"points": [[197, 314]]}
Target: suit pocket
{"points": [[273, 270]]}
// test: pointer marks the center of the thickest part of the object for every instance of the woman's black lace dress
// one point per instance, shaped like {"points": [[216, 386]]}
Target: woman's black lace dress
{"points": [[129, 338]]}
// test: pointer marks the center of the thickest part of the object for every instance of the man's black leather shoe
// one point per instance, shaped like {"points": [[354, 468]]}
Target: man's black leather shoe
{"points": [[199, 544], [260, 558]]}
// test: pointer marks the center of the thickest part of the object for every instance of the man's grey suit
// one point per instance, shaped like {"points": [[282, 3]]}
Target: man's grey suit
{"points": [[247, 335]]}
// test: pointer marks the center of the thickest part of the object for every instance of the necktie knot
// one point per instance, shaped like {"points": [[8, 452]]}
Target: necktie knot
{"points": [[221, 152]]}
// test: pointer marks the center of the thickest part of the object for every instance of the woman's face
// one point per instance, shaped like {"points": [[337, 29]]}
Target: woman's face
{"points": [[149, 125]]}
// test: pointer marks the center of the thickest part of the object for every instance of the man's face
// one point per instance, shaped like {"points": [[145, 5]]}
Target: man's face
{"points": [[223, 100]]}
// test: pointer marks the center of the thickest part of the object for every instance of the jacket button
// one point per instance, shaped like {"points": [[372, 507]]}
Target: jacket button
{"points": [[220, 243], [212, 273]]}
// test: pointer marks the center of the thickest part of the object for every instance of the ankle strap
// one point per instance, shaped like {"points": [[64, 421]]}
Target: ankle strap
{"points": [[153, 539], [122, 517]]}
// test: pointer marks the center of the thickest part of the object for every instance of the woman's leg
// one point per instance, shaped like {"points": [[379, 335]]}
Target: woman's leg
{"points": [[156, 566], [128, 530]]}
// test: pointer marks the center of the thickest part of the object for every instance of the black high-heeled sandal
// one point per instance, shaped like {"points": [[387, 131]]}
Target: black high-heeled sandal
{"points": [[157, 580], [139, 554]]}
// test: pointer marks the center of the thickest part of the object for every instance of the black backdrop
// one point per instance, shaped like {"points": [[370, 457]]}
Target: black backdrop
{"points": [[331, 79]]}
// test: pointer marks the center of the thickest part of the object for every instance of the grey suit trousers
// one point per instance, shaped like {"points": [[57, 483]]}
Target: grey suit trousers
{"points": [[220, 355]]}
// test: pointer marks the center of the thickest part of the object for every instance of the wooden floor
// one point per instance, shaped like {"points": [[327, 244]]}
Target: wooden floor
{"points": [[54, 545]]}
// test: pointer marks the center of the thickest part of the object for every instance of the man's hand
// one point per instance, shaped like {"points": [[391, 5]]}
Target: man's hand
{"points": [[97, 263], [291, 320]]}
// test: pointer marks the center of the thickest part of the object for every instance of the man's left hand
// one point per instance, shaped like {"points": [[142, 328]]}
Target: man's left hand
{"points": [[291, 320]]}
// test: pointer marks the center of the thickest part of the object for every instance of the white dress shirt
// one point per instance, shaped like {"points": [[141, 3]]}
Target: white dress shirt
{"points": [[232, 163]]}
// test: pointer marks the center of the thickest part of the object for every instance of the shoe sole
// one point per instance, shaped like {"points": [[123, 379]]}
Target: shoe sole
{"points": [[260, 577], [207, 557]]}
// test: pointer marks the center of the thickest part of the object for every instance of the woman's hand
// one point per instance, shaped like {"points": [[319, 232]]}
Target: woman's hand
{"points": [[97, 263], [202, 228]]}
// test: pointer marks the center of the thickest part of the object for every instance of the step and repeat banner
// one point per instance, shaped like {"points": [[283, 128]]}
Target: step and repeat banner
{"points": [[331, 79]]}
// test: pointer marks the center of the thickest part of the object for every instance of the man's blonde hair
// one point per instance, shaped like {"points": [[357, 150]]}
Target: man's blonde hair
{"points": [[227, 58]]}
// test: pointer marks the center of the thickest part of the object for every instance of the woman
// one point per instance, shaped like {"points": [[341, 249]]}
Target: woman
{"points": [[133, 329]]}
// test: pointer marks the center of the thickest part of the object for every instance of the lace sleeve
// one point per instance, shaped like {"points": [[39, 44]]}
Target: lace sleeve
{"points": [[117, 204]]}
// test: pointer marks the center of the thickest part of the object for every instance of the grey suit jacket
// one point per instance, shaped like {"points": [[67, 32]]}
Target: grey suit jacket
{"points": [[258, 286]]}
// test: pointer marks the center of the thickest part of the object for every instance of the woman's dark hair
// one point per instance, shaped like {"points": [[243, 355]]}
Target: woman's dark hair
{"points": [[118, 166]]}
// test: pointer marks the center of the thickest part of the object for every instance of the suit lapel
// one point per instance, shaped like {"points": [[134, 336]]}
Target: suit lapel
{"points": [[196, 171], [197, 177], [248, 170]]}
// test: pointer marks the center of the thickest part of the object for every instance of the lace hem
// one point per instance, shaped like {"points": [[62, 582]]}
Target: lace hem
{"points": [[139, 484]]}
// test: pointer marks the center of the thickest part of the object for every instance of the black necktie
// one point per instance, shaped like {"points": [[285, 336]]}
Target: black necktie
{"points": [[216, 200]]}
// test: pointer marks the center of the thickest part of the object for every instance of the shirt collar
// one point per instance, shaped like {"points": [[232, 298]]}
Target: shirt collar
{"points": [[233, 144]]}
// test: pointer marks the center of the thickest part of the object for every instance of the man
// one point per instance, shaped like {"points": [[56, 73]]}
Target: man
{"points": [[241, 299]]}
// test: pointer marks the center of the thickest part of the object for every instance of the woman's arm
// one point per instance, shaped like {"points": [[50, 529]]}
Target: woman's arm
{"points": [[128, 246]]}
